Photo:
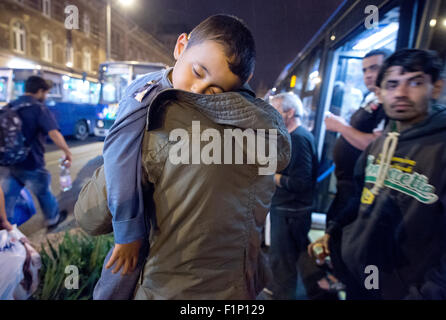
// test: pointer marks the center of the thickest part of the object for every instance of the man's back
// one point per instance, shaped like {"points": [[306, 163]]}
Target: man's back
{"points": [[297, 193], [37, 121], [206, 243]]}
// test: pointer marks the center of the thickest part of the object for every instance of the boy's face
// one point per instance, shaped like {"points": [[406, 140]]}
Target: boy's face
{"points": [[202, 68]]}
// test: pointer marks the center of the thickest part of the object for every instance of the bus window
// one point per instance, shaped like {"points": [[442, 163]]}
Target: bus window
{"points": [[347, 89], [78, 90], [3, 89], [309, 114], [114, 87], [313, 74], [348, 62], [19, 89], [95, 90], [296, 80], [141, 70]]}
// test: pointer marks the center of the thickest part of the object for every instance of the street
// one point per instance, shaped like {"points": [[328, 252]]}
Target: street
{"points": [[87, 156]]}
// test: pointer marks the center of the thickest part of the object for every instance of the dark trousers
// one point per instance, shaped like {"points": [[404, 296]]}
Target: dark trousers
{"points": [[289, 238], [354, 289]]}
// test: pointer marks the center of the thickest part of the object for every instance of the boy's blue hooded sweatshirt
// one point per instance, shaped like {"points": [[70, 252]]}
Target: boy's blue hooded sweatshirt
{"points": [[401, 227], [122, 157]]}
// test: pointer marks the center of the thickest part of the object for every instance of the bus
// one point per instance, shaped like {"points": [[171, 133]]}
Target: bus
{"points": [[327, 73], [73, 99], [114, 78]]}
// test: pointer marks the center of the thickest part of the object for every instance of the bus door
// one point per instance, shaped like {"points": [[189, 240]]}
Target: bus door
{"points": [[346, 87]]}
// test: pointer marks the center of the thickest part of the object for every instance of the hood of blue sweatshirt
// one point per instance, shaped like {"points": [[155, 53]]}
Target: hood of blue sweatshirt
{"points": [[400, 226]]}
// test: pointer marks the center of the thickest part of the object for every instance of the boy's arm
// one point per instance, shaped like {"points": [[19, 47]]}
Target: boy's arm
{"points": [[122, 166]]}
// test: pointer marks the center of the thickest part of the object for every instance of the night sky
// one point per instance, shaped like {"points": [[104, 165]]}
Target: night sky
{"points": [[280, 27]]}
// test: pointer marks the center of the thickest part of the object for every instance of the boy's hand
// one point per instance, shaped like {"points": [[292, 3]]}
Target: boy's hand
{"points": [[125, 255]]}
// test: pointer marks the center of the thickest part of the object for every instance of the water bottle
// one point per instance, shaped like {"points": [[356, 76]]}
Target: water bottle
{"points": [[64, 177]]}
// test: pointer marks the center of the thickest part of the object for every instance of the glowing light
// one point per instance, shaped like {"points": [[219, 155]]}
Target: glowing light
{"points": [[369, 42], [126, 3], [293, 81], [333, 37], [433, 23], [69, 64], [444, 23], [20, 64], [65, 78], [274, 89]]}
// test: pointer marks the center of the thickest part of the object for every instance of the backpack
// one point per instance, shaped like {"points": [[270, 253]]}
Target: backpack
{"points": [[13, 148]]}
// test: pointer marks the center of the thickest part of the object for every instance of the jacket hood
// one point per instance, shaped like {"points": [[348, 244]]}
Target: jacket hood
{"points": [[239, 109], [435, 122]]}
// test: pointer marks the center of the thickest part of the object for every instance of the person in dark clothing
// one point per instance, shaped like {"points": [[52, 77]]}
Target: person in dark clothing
{"points": [[293, 200], [37, 123], [366, 124], [398, 208]]}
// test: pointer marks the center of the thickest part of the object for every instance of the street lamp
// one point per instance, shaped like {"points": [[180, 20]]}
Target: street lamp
{"points": [[125, 3]]}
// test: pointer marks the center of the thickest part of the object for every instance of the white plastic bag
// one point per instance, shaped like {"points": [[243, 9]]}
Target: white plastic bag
{"points": [[19, 265]]}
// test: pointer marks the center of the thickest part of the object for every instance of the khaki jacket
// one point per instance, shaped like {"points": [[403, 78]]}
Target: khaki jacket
{"points": [[206, 219]]}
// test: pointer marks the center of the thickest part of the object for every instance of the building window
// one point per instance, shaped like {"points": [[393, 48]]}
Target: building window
{"points": [[86, 61], [19, 37], [46, 7], [47, 45], [87, 27], [70, 56]]}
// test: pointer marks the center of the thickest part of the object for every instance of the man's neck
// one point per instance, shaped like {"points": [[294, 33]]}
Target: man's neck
{"points": [[28, 94], [293, 124], [404, 125]]}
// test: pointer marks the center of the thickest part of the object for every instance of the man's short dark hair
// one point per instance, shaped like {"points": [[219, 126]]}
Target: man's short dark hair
{"points": [[413, 60], [378, 52], [236, 39], [34, 83]]}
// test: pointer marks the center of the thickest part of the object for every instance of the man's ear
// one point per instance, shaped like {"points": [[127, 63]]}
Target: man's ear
{"points": [[378, 93], [180, 46], [438, 89]]}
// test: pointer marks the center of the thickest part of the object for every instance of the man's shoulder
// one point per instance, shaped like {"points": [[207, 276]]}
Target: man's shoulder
{"points": [[24, 105], [143, 80], [301, 134]]}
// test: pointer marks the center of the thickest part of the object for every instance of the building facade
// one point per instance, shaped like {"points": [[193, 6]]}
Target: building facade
{"points": [[35, 32]]}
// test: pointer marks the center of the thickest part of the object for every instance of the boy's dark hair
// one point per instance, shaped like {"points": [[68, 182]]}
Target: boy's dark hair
{"points": [[35, 83], [236, 38], [378, 52], [413, 60]]}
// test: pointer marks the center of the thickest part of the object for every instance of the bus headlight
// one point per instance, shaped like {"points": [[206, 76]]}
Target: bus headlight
{"points": [[100, 124]]}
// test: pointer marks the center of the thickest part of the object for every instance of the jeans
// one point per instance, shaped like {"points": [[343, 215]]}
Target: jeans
{"points": [[38, 181], [289, 238]]}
